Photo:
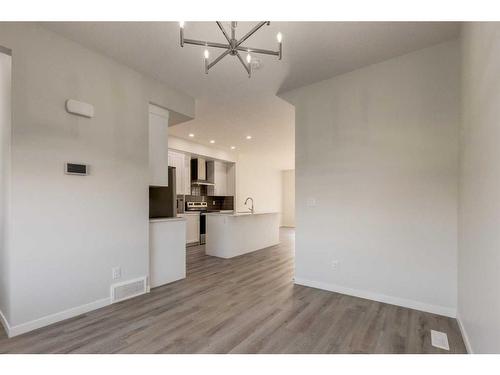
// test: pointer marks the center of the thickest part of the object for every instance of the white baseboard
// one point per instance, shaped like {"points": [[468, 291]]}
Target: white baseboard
{"points": [[57, 317], [440, 310], [465, 336], [5, 323]]}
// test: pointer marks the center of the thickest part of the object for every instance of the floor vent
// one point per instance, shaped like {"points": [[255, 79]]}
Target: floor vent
{"points": [[128, 289], [439, 340]]}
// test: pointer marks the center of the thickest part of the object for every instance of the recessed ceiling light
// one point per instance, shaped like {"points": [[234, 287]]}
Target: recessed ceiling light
{"points": [[232, 147], [212, 141], [249, 137], [191, 135]]}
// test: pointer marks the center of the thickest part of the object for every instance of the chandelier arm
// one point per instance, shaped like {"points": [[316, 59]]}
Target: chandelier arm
{"points": [[223, 31], [233, 29], [219, 58], [258, 50], [251, 32], [206, 44], [247, 67], [234, 46]]}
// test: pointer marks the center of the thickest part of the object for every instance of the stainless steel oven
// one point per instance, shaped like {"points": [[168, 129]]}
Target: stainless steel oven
{"points": [[201, 207]]}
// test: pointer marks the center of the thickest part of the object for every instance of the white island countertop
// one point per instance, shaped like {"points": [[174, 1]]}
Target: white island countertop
{"points": [[240, 213], [162, 219], [232, 234]]}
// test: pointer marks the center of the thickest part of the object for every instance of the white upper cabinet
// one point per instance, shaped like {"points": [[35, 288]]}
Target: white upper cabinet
{"points": [[182, 164], [231, 179], [177, 160], [220, 170], [158, 146], [187, 174], [222, 175]]}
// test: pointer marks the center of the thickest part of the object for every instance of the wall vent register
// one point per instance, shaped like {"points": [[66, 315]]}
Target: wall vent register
{"points": [[128, 289], [76, 169]]}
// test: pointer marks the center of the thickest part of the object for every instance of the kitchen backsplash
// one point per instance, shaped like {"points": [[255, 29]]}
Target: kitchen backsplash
{"points": [[213, 203], [220, 203], [199, 191]]}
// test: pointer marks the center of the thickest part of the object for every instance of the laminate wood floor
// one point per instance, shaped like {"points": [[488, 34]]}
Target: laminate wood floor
{"points": [[247, 304]]}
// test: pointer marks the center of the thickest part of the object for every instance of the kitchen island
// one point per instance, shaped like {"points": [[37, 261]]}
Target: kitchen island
{"points": [[230, 235]]}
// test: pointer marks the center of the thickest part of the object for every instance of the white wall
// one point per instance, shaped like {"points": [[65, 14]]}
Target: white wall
{"points": [[257, 179], [68, 231], [376, 180], [479, 213], [5, 140], [288, 198]]}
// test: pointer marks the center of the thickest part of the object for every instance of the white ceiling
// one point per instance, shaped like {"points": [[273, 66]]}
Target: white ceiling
{"points": [[229, 104]]}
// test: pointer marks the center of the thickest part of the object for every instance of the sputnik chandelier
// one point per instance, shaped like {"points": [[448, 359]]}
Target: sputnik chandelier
{"points": [[233, 46]]}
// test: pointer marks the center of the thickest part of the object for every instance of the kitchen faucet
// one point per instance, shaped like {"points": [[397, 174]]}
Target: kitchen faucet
{"points": [[246, 200]]}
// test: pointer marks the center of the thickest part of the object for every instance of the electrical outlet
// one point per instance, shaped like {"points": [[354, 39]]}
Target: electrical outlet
{"points": [[335, 263], [116, 273]]}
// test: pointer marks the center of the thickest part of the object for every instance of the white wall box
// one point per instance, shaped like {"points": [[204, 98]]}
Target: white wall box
{"points": [[76, 107], [158, 146]]}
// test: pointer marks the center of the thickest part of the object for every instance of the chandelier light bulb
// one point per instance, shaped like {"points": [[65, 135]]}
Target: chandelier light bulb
{"points": [[181, 24], [279, 36], [249, 58], [206, 54]]}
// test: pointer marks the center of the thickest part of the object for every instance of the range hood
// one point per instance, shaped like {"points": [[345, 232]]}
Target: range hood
{"points": [[199, 172]]}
